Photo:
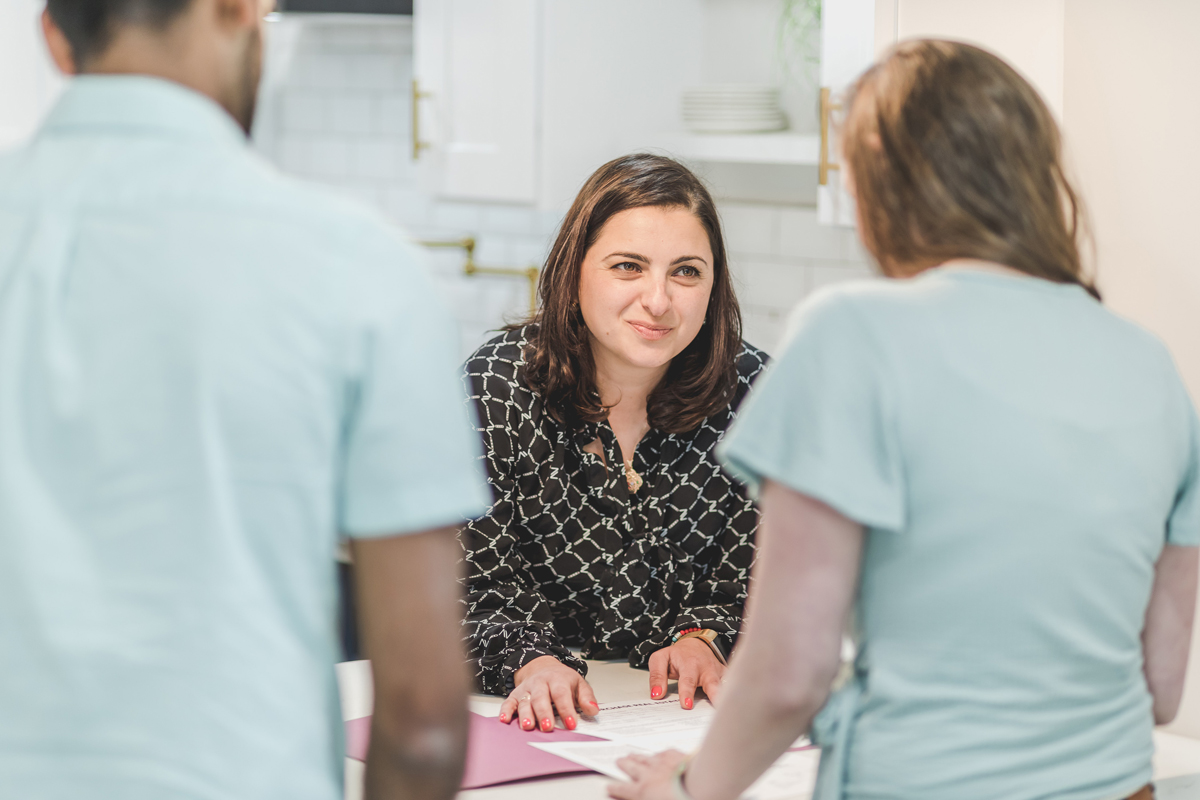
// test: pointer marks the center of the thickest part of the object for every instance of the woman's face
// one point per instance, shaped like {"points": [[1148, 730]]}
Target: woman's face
{"points": [[644, 286]]}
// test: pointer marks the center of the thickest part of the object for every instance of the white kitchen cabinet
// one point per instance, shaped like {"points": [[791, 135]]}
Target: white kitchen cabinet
{"points": [[29, 82], [853, 34], [1029, 34], [519, 100], [475, 97]]}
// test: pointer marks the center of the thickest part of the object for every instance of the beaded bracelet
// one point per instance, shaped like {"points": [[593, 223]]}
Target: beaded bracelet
{"points": [[683, 633]]}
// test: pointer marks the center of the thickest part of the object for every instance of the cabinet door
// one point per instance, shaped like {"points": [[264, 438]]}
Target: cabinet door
{"points": [[29, 81], [853, 32], [476, 74]]}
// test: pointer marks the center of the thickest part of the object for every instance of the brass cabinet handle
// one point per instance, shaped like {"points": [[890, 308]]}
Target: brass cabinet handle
{"points": [[823, 162], [417, 97]]}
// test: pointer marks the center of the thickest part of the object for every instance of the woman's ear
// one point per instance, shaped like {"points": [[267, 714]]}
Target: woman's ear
{"points": [[56, 42]]}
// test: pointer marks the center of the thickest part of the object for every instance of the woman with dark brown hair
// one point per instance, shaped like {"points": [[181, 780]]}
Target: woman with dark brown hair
{"points": [[998, 475], [614, 529]]}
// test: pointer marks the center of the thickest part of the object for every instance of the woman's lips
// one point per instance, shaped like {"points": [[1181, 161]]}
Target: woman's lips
{"points": [[651, 332]]}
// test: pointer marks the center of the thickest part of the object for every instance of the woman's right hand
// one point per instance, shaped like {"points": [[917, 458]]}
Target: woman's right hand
{"points": [[543, 686]]}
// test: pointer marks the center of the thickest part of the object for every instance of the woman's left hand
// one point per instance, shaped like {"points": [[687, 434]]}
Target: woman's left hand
{"points": [[650, 776], [693, 664]]}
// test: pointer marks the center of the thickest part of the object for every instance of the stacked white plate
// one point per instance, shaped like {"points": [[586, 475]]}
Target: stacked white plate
{"points": [[733, 108]]}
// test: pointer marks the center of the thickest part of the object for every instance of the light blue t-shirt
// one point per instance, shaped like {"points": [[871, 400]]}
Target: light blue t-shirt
{"points": [[207, 371], [1019, 455]]}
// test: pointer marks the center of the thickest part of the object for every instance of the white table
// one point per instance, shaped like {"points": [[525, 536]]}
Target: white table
{"points": [[615, 681]]}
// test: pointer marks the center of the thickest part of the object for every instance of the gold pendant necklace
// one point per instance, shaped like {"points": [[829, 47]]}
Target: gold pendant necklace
{"points": [[632, 479]]}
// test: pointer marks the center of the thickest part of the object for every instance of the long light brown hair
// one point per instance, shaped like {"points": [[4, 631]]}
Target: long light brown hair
{"points": [[952, 154], [559, 365]]}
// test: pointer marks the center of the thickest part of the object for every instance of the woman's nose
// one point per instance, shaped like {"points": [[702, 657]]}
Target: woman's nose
{"points": [[655, 299]]}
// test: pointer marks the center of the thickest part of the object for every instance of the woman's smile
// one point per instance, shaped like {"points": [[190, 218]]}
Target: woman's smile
{"points": [[650, 331]]}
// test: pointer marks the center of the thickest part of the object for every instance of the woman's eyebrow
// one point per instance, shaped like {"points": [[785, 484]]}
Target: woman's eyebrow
{"points": [[644, 260]]}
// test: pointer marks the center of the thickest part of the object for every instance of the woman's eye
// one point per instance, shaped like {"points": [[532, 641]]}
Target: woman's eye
{"points": [[627, 266], [688, 272]]}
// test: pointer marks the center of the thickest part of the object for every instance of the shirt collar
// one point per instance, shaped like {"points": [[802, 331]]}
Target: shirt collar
{"points": [[141, 104]]}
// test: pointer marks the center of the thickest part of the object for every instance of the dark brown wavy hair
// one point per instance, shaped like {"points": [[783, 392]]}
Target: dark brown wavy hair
{"points": [[954, 155], [559, 366]]}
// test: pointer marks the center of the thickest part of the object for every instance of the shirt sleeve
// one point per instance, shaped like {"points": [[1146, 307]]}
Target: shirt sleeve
{"points": [[821, 421], [508, 621], [410, 451], [1183, 525]]}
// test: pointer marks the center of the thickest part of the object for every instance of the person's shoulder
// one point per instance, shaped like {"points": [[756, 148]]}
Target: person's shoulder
{"points": [[849, 309], [750, 362], [495, 366]]}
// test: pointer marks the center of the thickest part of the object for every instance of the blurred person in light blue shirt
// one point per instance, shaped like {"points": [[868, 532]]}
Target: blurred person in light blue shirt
{"points": [[209, 371], [998, 475]]}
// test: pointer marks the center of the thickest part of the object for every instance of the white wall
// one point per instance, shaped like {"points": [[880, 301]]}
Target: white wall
{"points": [[28, 80], [1131, 118], [1027, 33]]}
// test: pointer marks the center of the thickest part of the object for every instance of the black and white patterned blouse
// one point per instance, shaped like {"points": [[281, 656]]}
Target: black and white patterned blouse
{"points": [[567, 557]]}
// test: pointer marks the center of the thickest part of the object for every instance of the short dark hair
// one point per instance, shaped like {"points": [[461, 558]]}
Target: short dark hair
{"points": [[954, 155], [90, 25], [559, 366]]}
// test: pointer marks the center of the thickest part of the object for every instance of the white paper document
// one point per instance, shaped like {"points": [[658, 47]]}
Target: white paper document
{"points": [[651, 724], [655, 725], [790, 778]]}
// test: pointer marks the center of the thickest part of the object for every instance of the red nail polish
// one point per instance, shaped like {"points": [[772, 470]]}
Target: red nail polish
{"points": [[687, 703], [547, 724], [526, 724], [570, 723], [655, 691]]}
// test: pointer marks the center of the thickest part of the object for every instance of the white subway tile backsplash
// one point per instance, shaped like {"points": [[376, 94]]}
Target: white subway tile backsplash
{"points": [[349, 37], [770, 285], [463, 217], [303, 110], [763, 326], [800, 236], [393, 116], [376, 159], [749, 229], [367, 193], [376, 71], [329, 157], [546, 224], [446, 263], [407, 205], [856, 252], [292, 154], [492, 250], [323, 70], [351, 113], [507, 219], [822, 275], [529, 251]]}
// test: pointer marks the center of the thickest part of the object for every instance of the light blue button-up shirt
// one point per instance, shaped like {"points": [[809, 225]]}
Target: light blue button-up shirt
{"points": [[207, 371]]}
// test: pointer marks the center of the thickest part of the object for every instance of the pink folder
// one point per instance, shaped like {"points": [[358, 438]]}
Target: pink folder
{"points": [[496, 753]]}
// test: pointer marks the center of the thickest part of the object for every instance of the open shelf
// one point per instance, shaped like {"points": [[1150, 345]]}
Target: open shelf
{"points": [[746, 148]]}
